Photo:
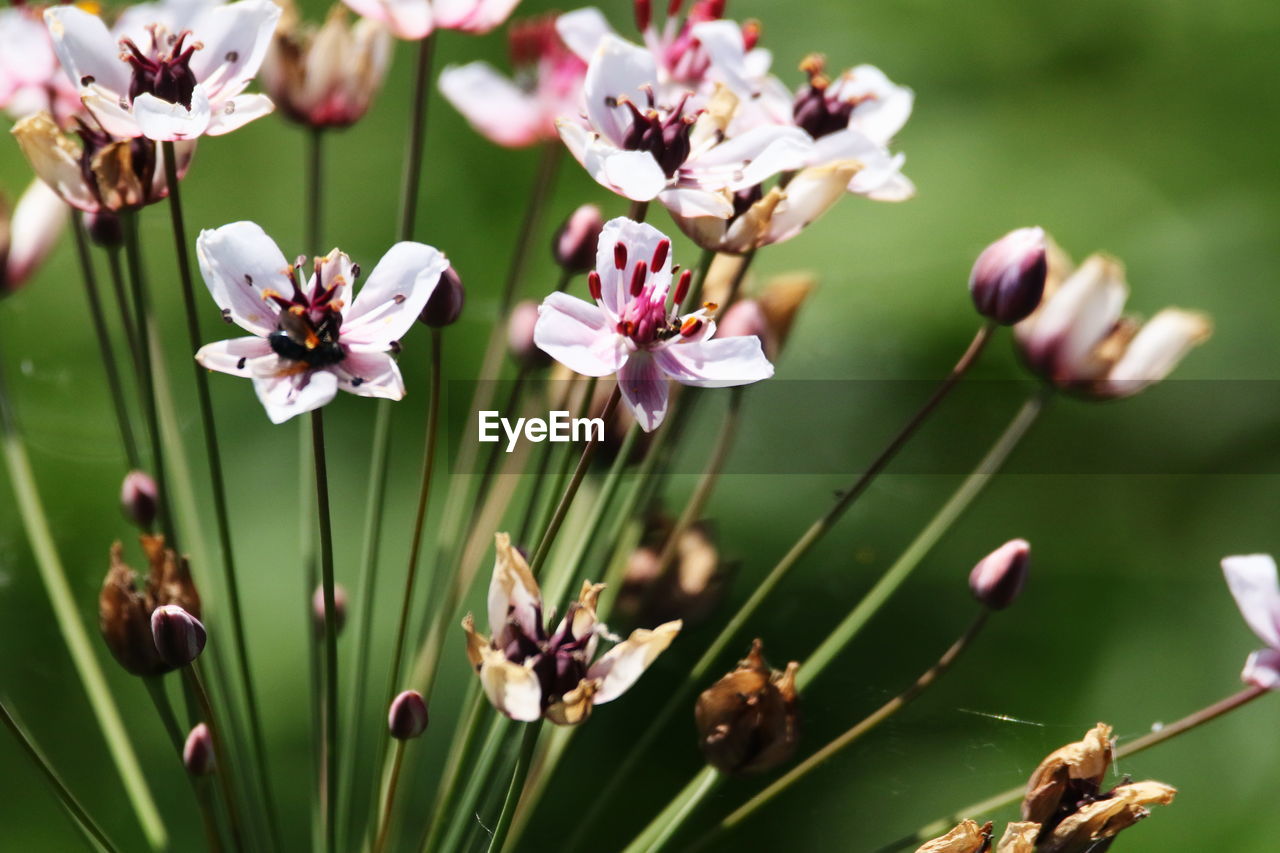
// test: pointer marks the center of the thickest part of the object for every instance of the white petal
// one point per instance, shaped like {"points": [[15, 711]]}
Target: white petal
{"points": [[1262, 669], [582, 30], [750, 159], [644, 390], [235, 39], [472, 16], [693, 203], [234, 356], [634, 174], [163, 120], [1157, 348], [715, 363], [370, 374], [722, 40], [239, 262], [86, 48], [237, 112], [112, 112], [618, 69], [394, 295], [811, 193], [577, 334], [1253, 583], [37, 223], [55, 159], [1060, 337], [497, 108], [407, 19], [513, 689], [641, 241], [284, 395], [513, 592], [623, 664], [884, 107]]}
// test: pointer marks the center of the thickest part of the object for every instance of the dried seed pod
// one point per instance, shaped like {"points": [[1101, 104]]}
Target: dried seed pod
{"points": [[748, 721], [124, 611]]}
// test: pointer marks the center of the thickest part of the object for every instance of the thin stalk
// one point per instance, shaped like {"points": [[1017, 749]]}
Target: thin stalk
{"points": [[664, 826], [105, 350], [735, 286], [54, 577], [814, 534], [534, 500], [516, 788], [1013, 795], [213, 454], [222, 758], [86, 824], [330, 637], [459, 755], [125, 308], [389, 807], [164, 709], [897, 703], [417, 133], [638, 211], [461, 817], [699, 281], [314, 191]]}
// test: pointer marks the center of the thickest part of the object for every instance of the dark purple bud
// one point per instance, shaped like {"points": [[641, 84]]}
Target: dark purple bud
{"points": [[1008, 278], [104, 229], [408, 715], [520, 325], [574, 246], [339, 608], [138, 498], [445, 304], [999, 577], [197, 753], [179, 636]]}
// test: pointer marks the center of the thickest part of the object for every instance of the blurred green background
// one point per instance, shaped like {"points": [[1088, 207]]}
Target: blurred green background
{"points": [[1144, 127]]}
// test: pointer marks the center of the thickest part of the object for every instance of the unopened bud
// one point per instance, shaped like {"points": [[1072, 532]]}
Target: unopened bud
{"points": [[197, 752], [138, 498], [408, 715], [520, 325], [104, 229], [445, 305], [179, 636], [999, 577], [1008, 278], [339, 608], [125, 611], [744, 318], [574, 246], [748, 721]]}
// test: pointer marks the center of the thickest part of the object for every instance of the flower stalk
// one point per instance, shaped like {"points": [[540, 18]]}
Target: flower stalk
{"points": [[325, 529]]}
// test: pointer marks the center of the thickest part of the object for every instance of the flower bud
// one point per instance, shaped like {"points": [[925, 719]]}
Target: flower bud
{"points": [[574, 246], [124, 611], [179, 636], [999, 577], [445, 305], [138, 498], [524, 316], [748, 721], [339, 608], [1008, 278], [197, 752], [104, 229], [744, 318], [408, 715]]}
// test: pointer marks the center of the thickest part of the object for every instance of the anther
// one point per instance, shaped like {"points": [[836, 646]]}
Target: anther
{"points": [[691, 327], [638, 277], [593, 285], [660, 253], [682, 286], [620, 256]]}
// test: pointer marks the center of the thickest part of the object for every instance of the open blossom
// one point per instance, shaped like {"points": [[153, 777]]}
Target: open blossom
{"points": [[631, 330], [326, 76], [520, 112], [28, 233], [1080, 340], [643, 149], [1253, 583], [530, 671], [170, 71], [309, 340], [30, 77], [94, 171], [415, 19]]}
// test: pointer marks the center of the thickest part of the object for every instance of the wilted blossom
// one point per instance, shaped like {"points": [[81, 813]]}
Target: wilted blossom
{"points": [[325, 76], [1253, 583], [94, 171], [31, 80], [632, 331], [519, 111], [645, 148], [310, 339], [28, 233], [530, 670], [168, 71], [1080, 340], [688, 589], [748, 721], [415, 19], [967, 837], [124, 611]]}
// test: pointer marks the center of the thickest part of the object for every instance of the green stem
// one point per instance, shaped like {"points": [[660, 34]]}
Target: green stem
{"points": [[478, 777], [638, 211], [126, 311], [694, 295], [164, 709], [86, 824], [315, 191], [417, 133], [516, 788], [330, 637], [459, 756], [54, 577], [222, 757], [389, 808], [664, 826]]}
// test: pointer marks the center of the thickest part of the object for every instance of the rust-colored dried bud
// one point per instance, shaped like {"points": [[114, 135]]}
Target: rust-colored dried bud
{"points": [[124, 611], [197, 752], [748, 721], [998, 579], [339, 608], [407, 717], [1068, 774], [780, 300], [139, 498], [444, 307], [1019, 837], [968, 837], [574, 245], [1096, 822]]}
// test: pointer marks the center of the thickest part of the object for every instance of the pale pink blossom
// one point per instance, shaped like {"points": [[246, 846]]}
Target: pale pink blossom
{"points": [[310, 340], [169, 71], [1254, 584], [521, 111], [30, 78], [631, 330], [416, 19], [28, 233]]}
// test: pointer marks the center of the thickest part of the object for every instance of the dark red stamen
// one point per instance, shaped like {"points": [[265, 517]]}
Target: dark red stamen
{"points": [[593, 285], [673, 8], [691, 327], [638, 277], [620, 256], [682, 286], [660, 253], [644, 14]]}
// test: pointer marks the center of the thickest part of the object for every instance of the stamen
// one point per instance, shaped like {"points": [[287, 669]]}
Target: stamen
{"points": [[594, 285], [660, 255], [620, 256], [673, 8], [644, 14], [691, 327], [638, 277], [682, 286]]}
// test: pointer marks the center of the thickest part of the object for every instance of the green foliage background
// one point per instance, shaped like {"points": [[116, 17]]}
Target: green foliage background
{"points": [[1143, 127]]}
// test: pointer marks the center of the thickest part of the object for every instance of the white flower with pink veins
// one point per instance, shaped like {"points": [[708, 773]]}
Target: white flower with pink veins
{"points": [[644, 149], [170, 71], [415, 19], [310, 340], [30, 78], [1253, 582], [631, 330]]}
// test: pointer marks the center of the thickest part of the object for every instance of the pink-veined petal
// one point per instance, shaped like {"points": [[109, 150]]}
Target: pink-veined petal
{"points": [[34, 229], [407, 19], [1254, 585], [86, 49], [622, 665], [617, 70], [692, 203], [235, 39], [472, 16], [236, 112], [641, 242], [715, 363], [239, 263], [394, 295], [1060, 336], [513, 593], [1262, 669], [582, 30], [166, 121], [577, 334], [234, 356], [644, 390], [497, 108], [370, 374], [286, 394]]}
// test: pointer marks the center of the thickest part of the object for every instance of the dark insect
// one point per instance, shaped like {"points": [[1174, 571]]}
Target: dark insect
{"points": [[298, 340]]}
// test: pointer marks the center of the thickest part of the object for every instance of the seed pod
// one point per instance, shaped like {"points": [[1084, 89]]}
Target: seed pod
{"points": [[748, 721], [1007, 282], [197, 752], [998, 579], [407, 718], [339, 608], [179, 636], [139, 498], [574, 245], [124, 611], [445, 305]]}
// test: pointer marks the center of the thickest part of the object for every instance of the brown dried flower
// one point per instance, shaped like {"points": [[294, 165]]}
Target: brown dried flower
{"points": [[124, 611], [748, 721], [690, 588], [968, 837]]}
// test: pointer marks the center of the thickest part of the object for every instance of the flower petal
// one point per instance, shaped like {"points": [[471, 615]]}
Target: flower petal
{"points": [[166, 121], [239, 263], [577, 334], [513, 593], [724, 45], [236, 112], [715, 363], [749, 159], [617, 70], [472, 16], [235, 38], [811, 193], [1262, 669], [633, 174], [1059, 337], [86, 49], [883, 106], [513, 689], [1156, 350], [644, 390], [641, 242], [407, 19], [234, 356], [1254, 585], [623, 664], [112, 112], [34, 228], [285, 394], [370, 374], [497, 108], [582, 30], [395, 294]]}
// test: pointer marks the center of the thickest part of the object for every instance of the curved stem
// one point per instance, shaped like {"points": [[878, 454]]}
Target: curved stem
{"points": [[417, 133], [516, 788], [330, 637], [387, 810]]}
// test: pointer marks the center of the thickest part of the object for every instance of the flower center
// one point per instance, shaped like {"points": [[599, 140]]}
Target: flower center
{"points": [[308, 328], [166, 75], [815, 110], [666, 137]]}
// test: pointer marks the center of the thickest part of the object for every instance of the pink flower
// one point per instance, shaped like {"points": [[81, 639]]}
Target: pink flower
{"points": [[306, 341], [1254, 585], [30, 77], [171, 71], [642, 148], [520, 112], [631, 331], [29, 234], [415, 19]]}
